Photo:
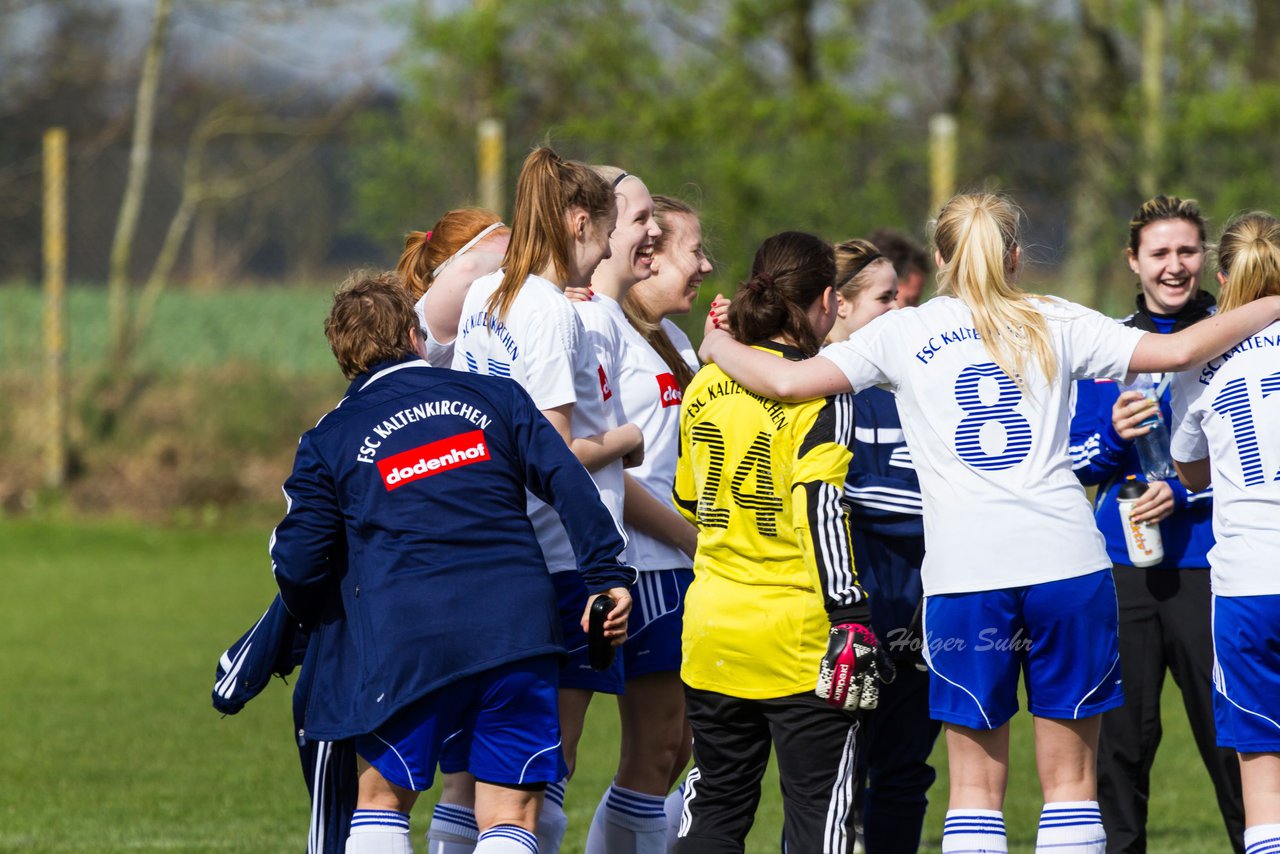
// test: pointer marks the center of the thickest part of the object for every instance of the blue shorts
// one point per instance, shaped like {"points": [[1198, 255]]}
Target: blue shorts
{"points": [[576, 672], [502, 725], [657, 619], [1246, 672], [1061, 634]]}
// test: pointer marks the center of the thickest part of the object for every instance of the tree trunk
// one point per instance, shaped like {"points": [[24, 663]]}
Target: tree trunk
{"points": [[135, 186], [1098, 86], [1264, 60], [1153, 125]]}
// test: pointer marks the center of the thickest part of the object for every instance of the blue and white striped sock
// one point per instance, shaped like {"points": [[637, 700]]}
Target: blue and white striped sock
{"points": [[674, 808], [1262, 839], [507, 839], [974, 832], [453, 830], [1071, 827], [552, 821], [379, 832], [628, 822]]}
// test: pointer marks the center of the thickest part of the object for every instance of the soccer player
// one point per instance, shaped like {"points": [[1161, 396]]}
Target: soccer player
{"points": [[1015, 574], [654, 270], [1228, 433], [438, 267], [774, 585], [883, 496], [518, 323], [1164, 609], [407, 551]]}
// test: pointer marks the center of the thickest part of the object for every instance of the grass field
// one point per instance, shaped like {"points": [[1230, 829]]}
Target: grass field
{"points": [[277, 327], [110, 635]]}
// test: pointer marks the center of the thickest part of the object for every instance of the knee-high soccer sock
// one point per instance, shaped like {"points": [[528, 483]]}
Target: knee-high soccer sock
{"points": [[1071, 827], [453, 830], [974, 831], [379, 832], [1262, 839], [552, 821], [674, 808], [628, 822], [507, 839]]}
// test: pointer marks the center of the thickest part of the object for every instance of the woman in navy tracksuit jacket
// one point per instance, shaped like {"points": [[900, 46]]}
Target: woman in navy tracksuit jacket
{"points": [[1165, 611]]}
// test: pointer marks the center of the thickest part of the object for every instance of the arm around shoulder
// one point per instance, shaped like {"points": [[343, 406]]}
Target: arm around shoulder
{"points": [[1204, 340], [767, 375]]}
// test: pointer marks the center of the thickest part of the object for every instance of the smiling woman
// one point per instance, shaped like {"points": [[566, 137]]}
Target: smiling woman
{"points": [[1165, 616]]}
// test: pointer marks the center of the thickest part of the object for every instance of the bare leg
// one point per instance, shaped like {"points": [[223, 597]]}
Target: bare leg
{"points": [[378, 793], [573, 715], [1260, 777], [653, 733], [497, 805], [979, 763], [1067, 758]]}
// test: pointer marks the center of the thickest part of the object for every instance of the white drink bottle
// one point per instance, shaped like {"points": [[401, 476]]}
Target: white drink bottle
{"points": [[1142, 539]]}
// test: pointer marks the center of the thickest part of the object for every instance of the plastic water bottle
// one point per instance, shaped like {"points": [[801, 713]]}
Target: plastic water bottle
{"points": [[1142, 539], [1153, 446]]}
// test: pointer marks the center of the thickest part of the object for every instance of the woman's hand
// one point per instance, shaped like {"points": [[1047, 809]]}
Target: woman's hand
{"points": [[1131, 409], [615, 627]]}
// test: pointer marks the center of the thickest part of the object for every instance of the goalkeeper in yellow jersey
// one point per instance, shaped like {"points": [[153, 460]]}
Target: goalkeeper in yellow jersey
{"points": [[775, 607]]}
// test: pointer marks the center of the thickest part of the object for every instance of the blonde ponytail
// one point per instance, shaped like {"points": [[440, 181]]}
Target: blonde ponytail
{"points": [[1249, 257], [976, 236]]}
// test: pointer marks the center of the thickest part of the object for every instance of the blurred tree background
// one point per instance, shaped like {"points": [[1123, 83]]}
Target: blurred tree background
{"points": [[289, 145], [768, 114]]}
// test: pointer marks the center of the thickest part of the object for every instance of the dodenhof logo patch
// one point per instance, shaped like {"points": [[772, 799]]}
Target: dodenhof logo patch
{"points": [[439, 456], [669, 389], [605, 391]]}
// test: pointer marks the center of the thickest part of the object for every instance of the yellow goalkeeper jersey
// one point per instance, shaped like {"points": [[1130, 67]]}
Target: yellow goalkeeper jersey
{"points": [[763, 481]]}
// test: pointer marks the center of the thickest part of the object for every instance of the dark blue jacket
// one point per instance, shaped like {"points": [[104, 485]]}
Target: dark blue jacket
{"points": [[420, 476], [275, 646], [885, 515], [1099, 456]]}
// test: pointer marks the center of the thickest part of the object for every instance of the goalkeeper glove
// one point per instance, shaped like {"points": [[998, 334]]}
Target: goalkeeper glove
{"points": [[849, 676]]}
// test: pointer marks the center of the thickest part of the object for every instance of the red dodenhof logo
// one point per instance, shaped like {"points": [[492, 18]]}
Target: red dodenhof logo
{"points": [[605, 391], [670, 390], [433, 458]]}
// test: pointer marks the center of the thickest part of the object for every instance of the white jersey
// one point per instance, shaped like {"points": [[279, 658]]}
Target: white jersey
{"points": [[542, 345], [1002, 507], [682, 344], [650, 399], [438, 355], [1229, 411]]}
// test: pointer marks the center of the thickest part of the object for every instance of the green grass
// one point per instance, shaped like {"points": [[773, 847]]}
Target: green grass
{"points": [[110, 635], [278, 327]]}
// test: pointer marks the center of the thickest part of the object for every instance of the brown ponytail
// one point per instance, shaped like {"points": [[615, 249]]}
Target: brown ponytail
{"points": [[548, 187], [789, 272]]}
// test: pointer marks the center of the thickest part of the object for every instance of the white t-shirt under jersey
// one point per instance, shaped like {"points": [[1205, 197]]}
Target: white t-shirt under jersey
{"points": [[542, 345], [1229, 411], [1002, 507], [650, 399]]}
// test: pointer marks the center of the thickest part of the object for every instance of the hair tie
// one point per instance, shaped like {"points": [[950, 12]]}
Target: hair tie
{"points": [[427, 237]]}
